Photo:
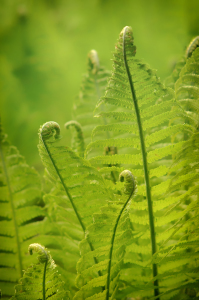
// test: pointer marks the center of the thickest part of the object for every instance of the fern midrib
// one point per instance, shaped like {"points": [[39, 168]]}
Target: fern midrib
{"points": [[64, 186], [145, 167], [70, 199], [44, 280], [112, 244], [13, 212]]}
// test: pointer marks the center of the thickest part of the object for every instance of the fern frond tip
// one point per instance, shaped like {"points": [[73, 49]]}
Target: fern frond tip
{"points": [[192, 46], [130, 183], [127, 40], [43, 255], [126, 30], [93, 62], [79, 133], [50, 129]]}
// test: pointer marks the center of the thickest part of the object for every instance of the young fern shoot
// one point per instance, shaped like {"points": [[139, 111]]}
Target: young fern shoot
{"points": [[43, 257], [48, 130], [129, 189], [79, 140], [43, 274]]}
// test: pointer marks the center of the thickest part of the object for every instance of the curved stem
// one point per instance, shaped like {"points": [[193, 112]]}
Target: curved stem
{"points": [[145, 166], [112, 244], [79, 138], [44, 281], [70, 197], [43, 258]]}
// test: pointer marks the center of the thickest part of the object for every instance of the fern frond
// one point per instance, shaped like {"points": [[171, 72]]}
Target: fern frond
{"points": [[185, 181], [110, 234], [41, 280], [92, 88], [134, 83], [21, 213], [74, 173]]}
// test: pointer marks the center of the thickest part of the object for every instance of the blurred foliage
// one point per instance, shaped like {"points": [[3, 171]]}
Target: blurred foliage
{"points": [[44, 44]]}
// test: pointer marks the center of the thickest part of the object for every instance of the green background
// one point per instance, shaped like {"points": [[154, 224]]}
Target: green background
{"points": [[44, 46]]}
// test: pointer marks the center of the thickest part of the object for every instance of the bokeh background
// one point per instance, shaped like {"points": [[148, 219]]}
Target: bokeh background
{"points": [[44, 46]]}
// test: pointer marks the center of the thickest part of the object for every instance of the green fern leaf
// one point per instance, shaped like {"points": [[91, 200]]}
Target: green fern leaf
{"points": [[21, 213]]}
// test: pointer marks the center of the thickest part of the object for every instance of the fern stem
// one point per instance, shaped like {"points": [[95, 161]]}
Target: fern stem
{"points": [[132, 189], [145, 166], [43, 258], [70, 198], [13, 209], [44, 281], [111, 249], [80, 138], [64, 186]]}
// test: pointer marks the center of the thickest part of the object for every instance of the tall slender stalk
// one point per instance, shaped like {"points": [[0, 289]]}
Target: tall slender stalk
{"points": [[145, 166], [128, 177]]}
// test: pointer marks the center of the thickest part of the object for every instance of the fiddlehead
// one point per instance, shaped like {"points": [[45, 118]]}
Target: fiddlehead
{"points": [[79, 140], [129, 189], [192, 46], [129, 182], [50, 129], [93, 62], [43, 255]]}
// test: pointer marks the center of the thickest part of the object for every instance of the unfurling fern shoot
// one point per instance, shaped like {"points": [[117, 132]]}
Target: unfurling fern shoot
{"points": [[93, 62], [43, 257], [79, 140], [129, 189], [192, 46], [48, 130], [41, 281], [52, 130]]}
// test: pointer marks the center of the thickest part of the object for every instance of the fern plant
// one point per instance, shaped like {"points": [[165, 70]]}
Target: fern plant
{"points": [[109, 239], [21, 213], [135, 95]]}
